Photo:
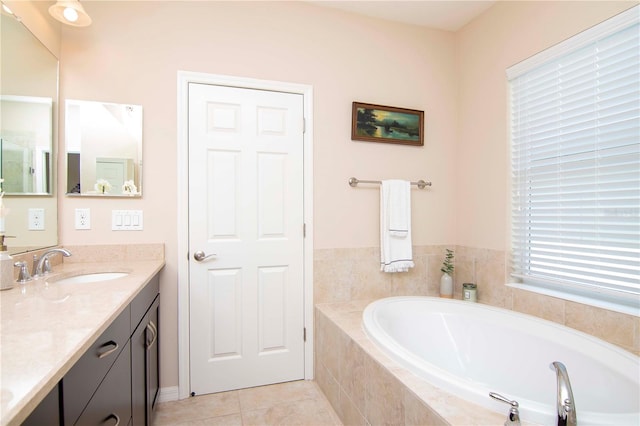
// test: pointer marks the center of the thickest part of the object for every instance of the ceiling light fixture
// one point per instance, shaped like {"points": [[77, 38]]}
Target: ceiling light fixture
{"points": [[70, 12]]}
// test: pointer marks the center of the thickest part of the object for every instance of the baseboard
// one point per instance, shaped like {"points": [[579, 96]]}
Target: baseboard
{"points": [[168, 394]]}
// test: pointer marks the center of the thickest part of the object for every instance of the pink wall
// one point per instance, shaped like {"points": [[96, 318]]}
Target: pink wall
{"points": [[133, 50], [343, 56], [506, 34]]}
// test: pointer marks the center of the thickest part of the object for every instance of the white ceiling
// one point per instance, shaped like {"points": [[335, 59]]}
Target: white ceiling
{"points": [[450, 15]]}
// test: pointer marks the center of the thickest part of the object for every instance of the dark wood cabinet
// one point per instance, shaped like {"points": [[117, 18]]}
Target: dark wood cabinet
{"points": [[82, 381], [111, 403], [144, 366], [47, 412], [117, 380]]}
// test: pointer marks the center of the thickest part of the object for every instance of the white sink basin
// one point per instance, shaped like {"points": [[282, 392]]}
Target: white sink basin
{"points": [[91, 278]]}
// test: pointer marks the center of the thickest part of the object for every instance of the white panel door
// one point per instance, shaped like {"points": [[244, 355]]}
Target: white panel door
{"points": [[246, 219]]}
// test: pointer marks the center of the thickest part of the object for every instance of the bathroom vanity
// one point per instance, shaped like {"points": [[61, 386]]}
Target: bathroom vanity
{"points": [[82, 352]]}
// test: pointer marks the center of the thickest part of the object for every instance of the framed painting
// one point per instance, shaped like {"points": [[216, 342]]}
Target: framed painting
{"points": [[378, 123]]}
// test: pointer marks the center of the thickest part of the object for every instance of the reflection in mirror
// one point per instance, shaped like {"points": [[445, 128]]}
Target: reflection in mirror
{"points": [[26, 144], [28, 117], [104, 148]]}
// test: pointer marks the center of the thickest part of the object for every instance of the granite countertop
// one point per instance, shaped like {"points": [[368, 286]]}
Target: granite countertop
{"points": [[45, 327]]}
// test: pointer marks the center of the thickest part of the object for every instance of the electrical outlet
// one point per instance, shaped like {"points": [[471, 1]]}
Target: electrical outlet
{"points": [[36, 219], [83, 219]]}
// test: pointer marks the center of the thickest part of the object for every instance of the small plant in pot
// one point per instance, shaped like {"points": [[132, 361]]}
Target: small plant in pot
{"points": [[446, 281]]}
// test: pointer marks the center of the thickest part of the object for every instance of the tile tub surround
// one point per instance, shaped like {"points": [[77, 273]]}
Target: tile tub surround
{"points": [[343, 275], [45, 328], [364, 386]]}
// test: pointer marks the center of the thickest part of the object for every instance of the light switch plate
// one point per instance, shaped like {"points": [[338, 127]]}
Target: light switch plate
{"points": [[36, 219], [126, 220], [83, 219]]}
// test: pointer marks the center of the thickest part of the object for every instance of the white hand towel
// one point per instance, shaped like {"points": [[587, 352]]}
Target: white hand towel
{"points": [[395, 226]]}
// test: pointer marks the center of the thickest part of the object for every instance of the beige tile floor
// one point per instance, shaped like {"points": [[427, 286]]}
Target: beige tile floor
{"points": [[294, 403]]}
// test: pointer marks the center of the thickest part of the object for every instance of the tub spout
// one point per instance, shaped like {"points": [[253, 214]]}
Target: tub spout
{"points": [[565, 403]]}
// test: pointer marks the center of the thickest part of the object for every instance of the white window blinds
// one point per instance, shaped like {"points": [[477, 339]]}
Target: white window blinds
{"points": [[575, 133]]}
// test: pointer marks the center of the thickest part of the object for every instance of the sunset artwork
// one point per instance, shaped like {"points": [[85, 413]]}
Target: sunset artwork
{"points": [[377, 123]]}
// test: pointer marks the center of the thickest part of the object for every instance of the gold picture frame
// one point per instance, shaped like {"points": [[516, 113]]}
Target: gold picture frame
{"points": [[379, 123]]}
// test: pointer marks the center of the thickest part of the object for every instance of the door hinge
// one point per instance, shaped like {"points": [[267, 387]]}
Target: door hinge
{"points": [[304, 230], [304, 125], [304, 334]]}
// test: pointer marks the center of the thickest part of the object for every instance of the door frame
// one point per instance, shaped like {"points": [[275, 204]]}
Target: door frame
{"points": [[184, 78]]}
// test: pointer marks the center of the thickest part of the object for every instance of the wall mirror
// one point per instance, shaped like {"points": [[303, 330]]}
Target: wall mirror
{"points": [[103, 143], [28, 127]]}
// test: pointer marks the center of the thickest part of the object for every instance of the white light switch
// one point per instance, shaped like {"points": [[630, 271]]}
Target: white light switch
{"points": [[126, 220]]}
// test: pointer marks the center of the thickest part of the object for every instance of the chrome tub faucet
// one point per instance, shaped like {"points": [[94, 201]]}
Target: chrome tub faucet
{"points": [[566, 406], [513, 418]]}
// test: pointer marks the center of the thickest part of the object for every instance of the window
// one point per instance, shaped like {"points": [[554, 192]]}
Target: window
{"points": [[575, 139]]}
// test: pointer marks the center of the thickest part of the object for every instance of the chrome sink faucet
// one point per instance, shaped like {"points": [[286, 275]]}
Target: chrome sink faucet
{"points": [[565, 403], [42, 266]]}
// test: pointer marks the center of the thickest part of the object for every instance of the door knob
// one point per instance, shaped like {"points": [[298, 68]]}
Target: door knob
{"points": [[199, 256]]}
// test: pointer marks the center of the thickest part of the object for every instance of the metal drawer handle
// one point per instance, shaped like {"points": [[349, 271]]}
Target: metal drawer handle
{"points": [[199, 256], [113, 416], [151, 326], [110, 351]]}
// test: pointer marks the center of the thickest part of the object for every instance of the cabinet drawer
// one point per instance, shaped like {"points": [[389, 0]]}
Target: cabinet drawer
{"points": [[80, 383], [143, 300], [111, 404]]}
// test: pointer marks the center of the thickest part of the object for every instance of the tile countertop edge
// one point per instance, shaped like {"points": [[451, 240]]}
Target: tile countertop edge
{"points": [[140, 273]]}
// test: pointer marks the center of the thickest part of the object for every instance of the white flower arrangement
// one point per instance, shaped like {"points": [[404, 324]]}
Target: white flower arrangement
{"points": [[102, 186], [129, 188]]}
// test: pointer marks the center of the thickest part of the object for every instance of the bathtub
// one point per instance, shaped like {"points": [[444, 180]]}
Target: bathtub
{"points": [[471, 349]]}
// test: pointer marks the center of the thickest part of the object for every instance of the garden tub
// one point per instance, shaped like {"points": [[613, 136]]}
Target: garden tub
{"points": [[470, 349]]}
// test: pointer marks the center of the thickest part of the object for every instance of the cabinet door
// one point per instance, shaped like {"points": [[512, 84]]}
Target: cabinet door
{"points": [[138, 375], [47, 412], [111, 404], [144, 366], [153, 351]]}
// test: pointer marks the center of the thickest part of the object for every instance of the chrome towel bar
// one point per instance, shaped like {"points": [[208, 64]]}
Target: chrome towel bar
{"points": [[353, 182]]}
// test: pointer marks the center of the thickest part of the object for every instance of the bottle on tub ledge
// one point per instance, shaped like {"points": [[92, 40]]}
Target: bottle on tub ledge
{"points": [[446, 281]]}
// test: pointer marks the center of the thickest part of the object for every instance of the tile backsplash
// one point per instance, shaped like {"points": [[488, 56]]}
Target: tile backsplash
{"points": [[343, 275], [97, 253]]}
